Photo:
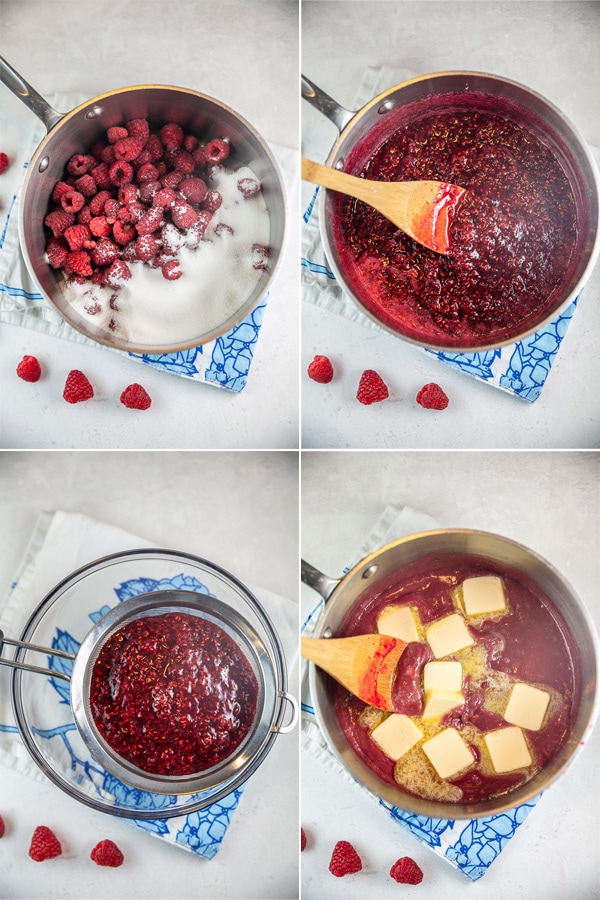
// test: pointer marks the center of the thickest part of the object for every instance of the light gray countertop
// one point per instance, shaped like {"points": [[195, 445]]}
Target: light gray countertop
{"points": [[550, 47], [549, 502]]}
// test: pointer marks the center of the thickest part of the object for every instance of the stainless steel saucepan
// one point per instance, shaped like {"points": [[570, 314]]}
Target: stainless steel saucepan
{"points": [[77, 131], [341, 595], [379, 118]]}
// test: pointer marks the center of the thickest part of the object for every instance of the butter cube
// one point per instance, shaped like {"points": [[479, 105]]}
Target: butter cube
{"points": [[438, 702], [483, 595], [508, 749], [398, 622], [527, 706], [447, 635], [448, 753], [396, 735], [446, 676]]}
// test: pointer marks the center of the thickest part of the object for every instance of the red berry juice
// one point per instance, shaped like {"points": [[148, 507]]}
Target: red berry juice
{"points": [[173, 694], [512, 238], [530, 643]]}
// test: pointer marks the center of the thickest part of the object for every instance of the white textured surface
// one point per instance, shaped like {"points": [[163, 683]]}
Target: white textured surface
{"points": [[239, 510], [547, 501], [248, 60], [553, 48]]}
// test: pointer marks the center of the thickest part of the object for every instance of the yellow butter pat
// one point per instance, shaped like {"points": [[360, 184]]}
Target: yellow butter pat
{"points": [[448, 753], [445, 675], [527, 706], [396, 735], [508, 749], [438, 702], [483, 594], [447, 635], [398, 622]]}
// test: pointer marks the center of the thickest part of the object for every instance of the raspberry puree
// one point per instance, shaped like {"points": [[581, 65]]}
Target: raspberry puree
{"points": [[173, 694], [511, 239], [529, 643]]}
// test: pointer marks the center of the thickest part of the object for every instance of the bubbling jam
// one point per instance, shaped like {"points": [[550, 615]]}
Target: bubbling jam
{"points": [[528, 642], [173, 694], [511, 239]]}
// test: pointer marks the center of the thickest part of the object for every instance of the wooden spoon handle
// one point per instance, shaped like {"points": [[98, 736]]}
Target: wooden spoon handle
{"points": [[335, 180]]}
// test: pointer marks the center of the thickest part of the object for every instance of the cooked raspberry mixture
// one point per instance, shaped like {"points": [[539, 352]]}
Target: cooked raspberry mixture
{"points": [[511, 239], [173, 694]]}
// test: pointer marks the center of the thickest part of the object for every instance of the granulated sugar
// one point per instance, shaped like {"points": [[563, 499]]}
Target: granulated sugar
{"points": [[218, 276]]}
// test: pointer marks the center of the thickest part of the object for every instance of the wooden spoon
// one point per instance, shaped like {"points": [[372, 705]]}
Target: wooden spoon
{"points": [[422, 209], [364, 664]]}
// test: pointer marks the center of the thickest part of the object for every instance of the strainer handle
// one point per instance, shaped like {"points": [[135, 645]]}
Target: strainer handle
{"points": [[53, 673], [285, 729]]}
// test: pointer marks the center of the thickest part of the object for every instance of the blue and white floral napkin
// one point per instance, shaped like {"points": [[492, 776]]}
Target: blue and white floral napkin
{"points": [[520, 369], [224, 362], [471, 845], [61, 543]]}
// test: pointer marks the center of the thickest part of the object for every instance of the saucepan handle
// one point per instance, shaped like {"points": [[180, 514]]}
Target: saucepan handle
{"points": [[28, 95], [324, 585], [52, 673], [339, 115]]}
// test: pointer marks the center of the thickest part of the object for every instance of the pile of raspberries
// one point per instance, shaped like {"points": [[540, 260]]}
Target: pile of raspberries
{"points": [[139, 195]]}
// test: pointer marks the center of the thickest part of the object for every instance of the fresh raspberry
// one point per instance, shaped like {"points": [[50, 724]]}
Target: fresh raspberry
{"points": [[223, 228], [101, 176], [86, 186], [171, 270], [406, 871], [72, 201], [183, 215], [128, 193], [77, 387], [200, 157], [147, 172], [44, 844], [118, 273], [1, 819], [146, 247], [371, 388], [302, 840], [171, 239], [78, 263], [184, 162], [81, 164], [212, 201], [116, 134], [216, 150], [77, 235], [260, 256], [127, 149], [84, 216], [138, 129], [57, 253], [149, 190], [60, 188], [135, 397], [248, 187], [344, 860], [172, 179], [58, 221], [134, 211], [97, 203], [121, 172], [111, 210], [321, 370], [3, 163], [150, 221], [171, 136], [124, 232], [155, 148], [108, 155], [193, 189], [105, 252], [190, 143], [29, 370], [431, 396], [106, 853], [165, 198], [100, 226]]}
